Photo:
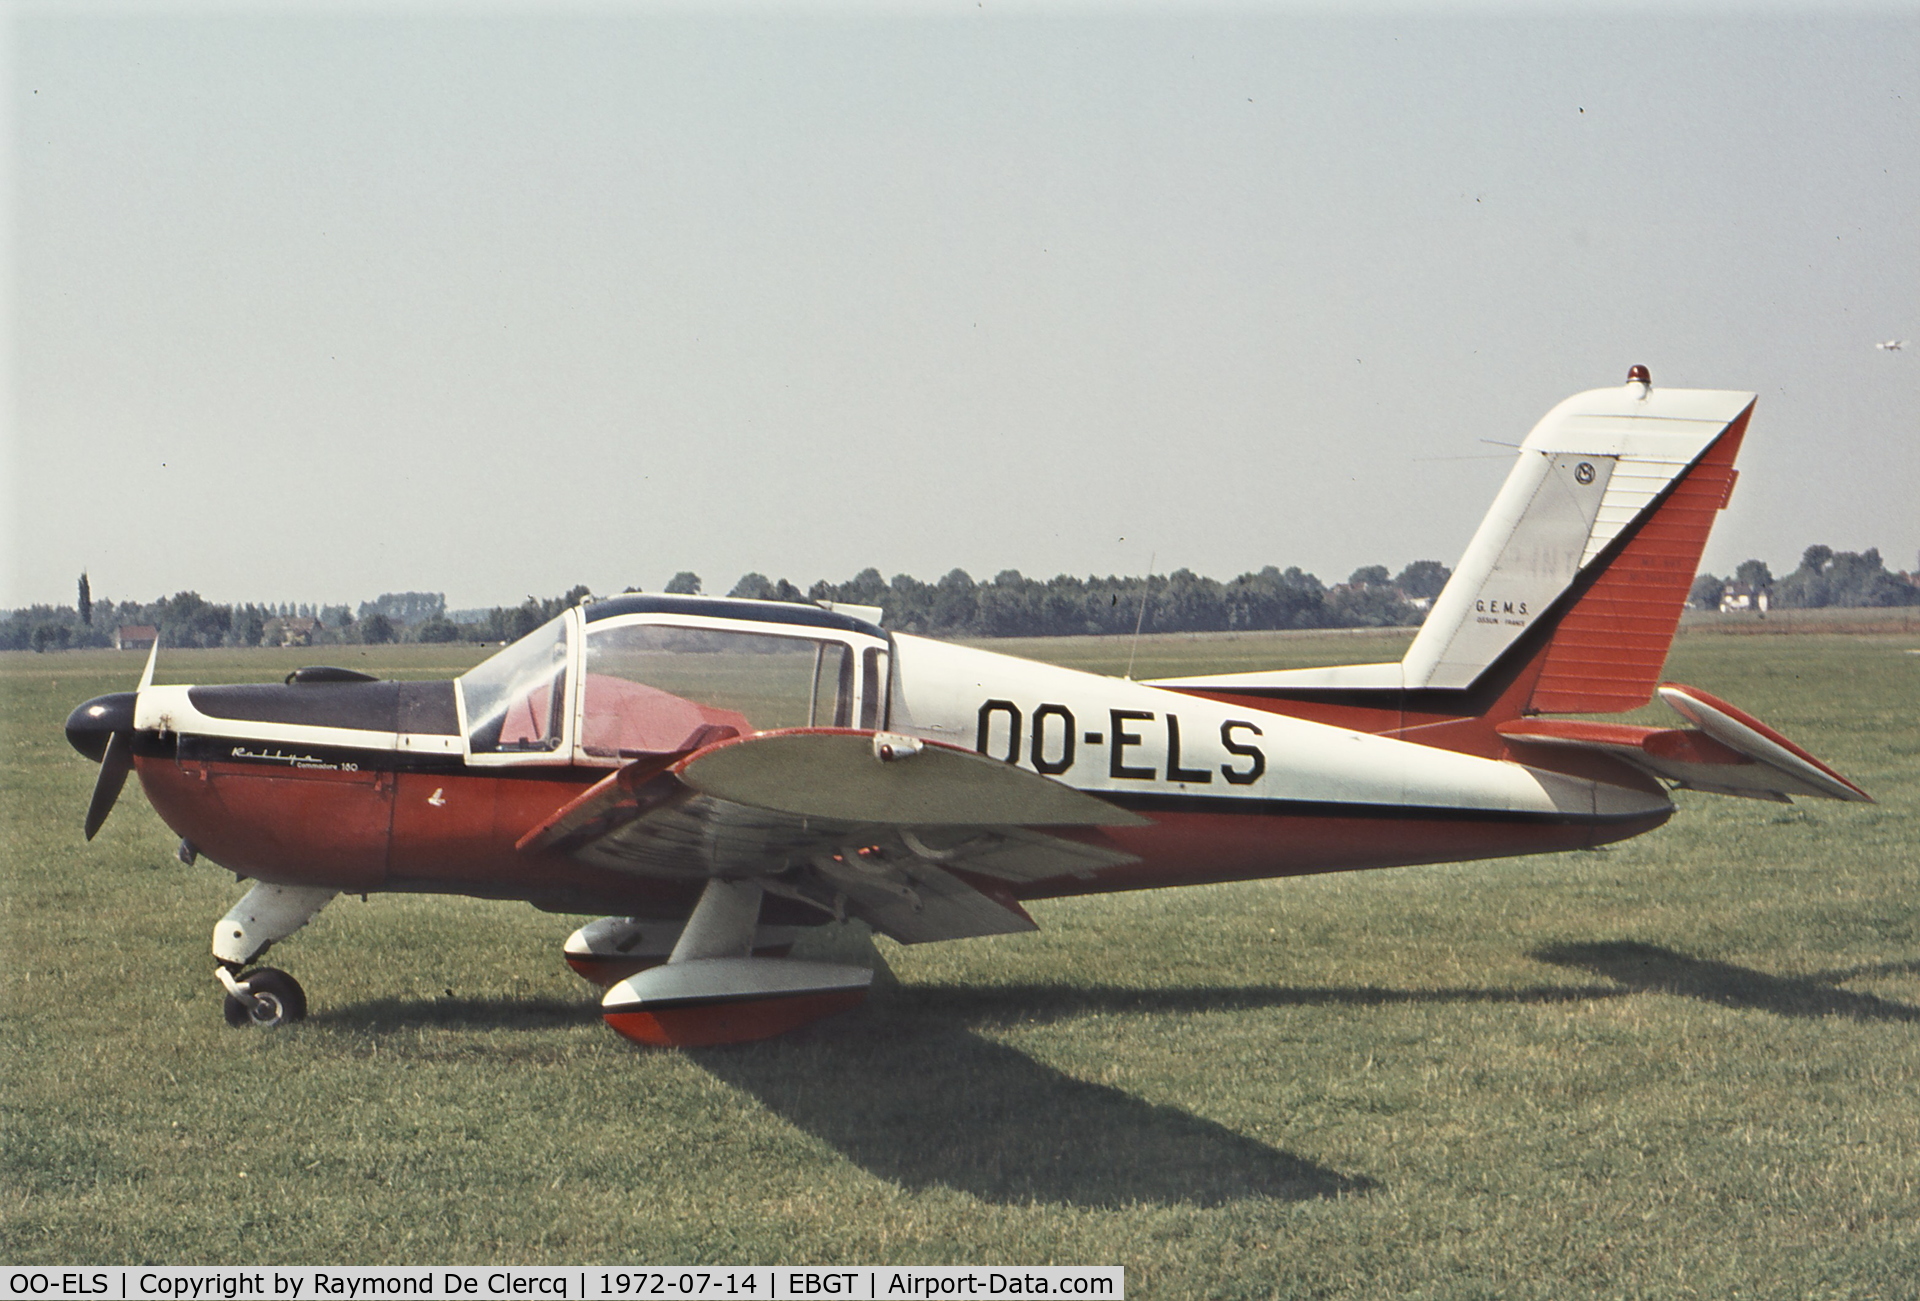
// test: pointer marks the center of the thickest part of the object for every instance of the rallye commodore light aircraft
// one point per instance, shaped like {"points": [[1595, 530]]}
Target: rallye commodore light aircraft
{"points": [[719, 774]]}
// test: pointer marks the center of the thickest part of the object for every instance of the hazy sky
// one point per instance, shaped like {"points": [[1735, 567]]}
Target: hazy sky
{"points": [[322, 302]]}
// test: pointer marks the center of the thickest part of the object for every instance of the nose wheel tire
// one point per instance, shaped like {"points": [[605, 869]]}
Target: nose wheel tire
{"points": [[274, 998]]}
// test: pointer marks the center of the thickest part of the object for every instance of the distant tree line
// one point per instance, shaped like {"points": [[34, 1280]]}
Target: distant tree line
{"points": [[1825, 578], [1011, 605], [188, 619]]}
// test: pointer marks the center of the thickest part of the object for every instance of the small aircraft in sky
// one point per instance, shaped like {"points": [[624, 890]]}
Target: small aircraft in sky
{"points": [[1891, 345], [718, 776]]}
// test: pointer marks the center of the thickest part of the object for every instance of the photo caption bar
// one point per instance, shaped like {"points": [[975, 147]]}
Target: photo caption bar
{"points": [[572, 1282]]}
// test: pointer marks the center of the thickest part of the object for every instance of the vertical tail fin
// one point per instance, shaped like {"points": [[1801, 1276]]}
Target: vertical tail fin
{"points": [[1597, 533], [1570, 592]]}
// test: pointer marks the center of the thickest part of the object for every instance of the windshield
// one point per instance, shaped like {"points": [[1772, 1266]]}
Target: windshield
{"points": [[514, 700]]}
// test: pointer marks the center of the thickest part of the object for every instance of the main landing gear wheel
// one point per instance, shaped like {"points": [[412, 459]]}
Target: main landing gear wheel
{"points": [[265, 997]]}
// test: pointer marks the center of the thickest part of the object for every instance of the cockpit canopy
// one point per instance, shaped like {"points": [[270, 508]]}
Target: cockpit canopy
{"points": [[618, 680]]}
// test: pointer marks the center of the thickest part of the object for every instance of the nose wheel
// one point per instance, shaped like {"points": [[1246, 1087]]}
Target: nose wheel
{"points": [[265, 996]]}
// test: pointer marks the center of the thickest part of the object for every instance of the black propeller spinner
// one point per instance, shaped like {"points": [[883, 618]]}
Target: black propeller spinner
{"points": [[102, 729]]}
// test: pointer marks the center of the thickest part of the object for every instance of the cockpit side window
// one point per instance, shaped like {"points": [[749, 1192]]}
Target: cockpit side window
{"points": [[516, 701], [831, 703], [870, 690], [657, 689]]}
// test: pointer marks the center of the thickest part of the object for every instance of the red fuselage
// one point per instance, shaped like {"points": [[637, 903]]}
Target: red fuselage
{"points": [[441, 826]]}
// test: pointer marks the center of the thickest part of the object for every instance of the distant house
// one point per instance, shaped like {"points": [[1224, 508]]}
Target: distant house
{"points": [[1737, 597], [297, 631], [135, 636]]}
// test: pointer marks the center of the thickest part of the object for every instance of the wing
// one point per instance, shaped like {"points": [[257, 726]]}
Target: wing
{"points": [[1726, 752], [919, 840]]}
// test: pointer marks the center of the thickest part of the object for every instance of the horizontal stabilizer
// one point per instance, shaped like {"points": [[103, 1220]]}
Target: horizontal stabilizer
{"points": [[1727, 753], [1760, 743]]}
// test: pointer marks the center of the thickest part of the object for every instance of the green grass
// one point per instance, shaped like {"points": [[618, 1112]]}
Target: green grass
{"points": [[1688, 1065]]}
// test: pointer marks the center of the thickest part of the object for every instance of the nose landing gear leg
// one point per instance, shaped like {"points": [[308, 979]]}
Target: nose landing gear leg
{"points": [[265, 996]]}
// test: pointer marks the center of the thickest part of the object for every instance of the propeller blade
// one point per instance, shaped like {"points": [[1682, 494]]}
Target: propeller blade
{"points": [[115, 764], [153, 658]]}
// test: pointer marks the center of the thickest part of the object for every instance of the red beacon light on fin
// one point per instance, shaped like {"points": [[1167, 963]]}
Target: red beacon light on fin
{"points": [[1641, 376]]}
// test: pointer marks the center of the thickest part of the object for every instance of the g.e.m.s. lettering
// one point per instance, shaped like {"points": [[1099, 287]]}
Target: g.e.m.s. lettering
{"points": [[1053, 741]]}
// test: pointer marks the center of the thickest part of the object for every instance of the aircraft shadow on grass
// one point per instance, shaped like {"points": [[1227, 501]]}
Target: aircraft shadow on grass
{"points": [[911, 1092], [922, 1101], [1843, 974], [1649, 968]]}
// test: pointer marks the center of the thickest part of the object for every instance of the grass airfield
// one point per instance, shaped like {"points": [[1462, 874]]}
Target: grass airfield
{"points": [[1686, 1065]]}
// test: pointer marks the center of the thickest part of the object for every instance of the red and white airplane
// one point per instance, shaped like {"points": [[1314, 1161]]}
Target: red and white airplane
{"points": [[719, 775]]}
